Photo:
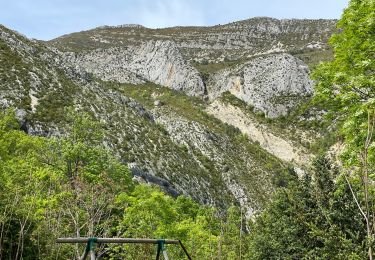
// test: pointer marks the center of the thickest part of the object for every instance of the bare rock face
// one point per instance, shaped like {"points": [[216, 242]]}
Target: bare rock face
{"points": [[279, 146], [156, 61], [108, 65], [162, 63], [272, 84], [218, 150]]}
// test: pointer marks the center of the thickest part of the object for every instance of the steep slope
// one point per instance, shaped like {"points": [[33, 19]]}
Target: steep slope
{"points": [[277, 145], [28, 81], [174, 144]]}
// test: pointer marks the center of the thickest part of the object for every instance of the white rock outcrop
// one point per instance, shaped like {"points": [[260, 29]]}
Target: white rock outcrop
{"points": [[272, 84], [156, 61]]}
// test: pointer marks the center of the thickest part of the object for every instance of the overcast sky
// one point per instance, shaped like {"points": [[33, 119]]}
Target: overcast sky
{"points": [[47, 19]]}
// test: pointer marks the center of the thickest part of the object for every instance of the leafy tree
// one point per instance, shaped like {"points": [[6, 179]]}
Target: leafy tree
{"points": [[315, 218], [346, 88], [150, 213], [233, 243], [29, 192], [94, 178], [55, 187]]}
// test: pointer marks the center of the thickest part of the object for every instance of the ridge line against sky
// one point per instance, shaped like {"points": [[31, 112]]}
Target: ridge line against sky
{"points": [[45, 20]]}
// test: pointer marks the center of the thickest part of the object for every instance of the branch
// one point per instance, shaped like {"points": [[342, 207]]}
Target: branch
{"points": [[370, 129], [355, 198]]}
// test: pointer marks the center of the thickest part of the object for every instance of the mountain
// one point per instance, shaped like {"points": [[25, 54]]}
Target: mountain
{"points": [[210, 112], [241, 57]]}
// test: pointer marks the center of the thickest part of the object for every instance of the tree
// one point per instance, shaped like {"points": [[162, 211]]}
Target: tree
{"points": [[54, 187], [28, 194], [315, 218], [95, 177], [150, 213], [346, 88], [72, 186]]}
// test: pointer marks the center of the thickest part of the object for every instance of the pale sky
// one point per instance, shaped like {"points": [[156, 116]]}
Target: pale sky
{"points": [[48, 19]]}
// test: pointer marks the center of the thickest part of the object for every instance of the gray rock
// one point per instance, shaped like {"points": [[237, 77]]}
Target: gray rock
{"points": [[158, 103], [273, 83], [21, 114], [156, 61]]}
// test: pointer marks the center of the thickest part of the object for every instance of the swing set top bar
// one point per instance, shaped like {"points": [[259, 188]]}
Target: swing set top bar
{"points": [[116, 240]]}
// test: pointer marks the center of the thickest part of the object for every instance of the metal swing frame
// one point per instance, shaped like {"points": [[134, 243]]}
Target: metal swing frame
{"points": [[91, 241]]}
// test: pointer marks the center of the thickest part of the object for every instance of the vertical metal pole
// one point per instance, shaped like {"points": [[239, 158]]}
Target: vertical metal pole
{"points": [[160, 243], [92, 254], [86, 253], [241, 235], [158, 253], [90, 248], [165, 255], [161, 248]]}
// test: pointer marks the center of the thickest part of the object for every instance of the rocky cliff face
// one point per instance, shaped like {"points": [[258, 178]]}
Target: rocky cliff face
{"points": [[275, 144], [273, 84], [156, 61]]}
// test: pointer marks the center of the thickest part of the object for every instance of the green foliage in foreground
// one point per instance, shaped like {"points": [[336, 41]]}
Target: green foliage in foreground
{"points": [[346, 89], [346, 85], [71, 186], [312, 218]]}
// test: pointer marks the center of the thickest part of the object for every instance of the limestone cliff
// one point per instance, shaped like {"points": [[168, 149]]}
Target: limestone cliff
{"points": [[273, 83], [156, 61]]}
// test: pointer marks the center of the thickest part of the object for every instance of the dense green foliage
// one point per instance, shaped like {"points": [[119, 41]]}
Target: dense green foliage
{"points": [[312, 218], [54, 187], [72, 186], [346, 84], [346, 88]]}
